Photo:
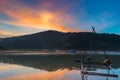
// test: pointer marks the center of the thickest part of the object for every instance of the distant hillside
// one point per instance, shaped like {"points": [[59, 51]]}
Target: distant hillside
{"points": [[2, 48], [43, 40], [58, 40], [92, 41]]}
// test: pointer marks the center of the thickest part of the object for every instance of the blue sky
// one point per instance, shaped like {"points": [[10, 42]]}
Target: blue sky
{"points": [[20, 17]]}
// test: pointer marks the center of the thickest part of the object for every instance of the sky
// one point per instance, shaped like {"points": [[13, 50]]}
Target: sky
{"points": [[21, 17]]}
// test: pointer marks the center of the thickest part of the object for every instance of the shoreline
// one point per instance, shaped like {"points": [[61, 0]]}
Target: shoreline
{"points": [[46, 52]]}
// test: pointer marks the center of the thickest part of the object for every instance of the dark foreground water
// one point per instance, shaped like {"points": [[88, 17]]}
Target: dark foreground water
{"points": [[51, 67]]}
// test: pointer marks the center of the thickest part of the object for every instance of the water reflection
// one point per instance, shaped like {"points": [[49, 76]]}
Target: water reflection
{"points": [[55, 75], [51, 62], [47, 67], [61, 74]]}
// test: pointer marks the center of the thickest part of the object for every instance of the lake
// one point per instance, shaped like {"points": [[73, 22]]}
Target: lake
{"points": [[51, 67]]}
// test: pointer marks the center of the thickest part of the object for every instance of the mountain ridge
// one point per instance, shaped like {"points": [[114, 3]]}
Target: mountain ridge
{"points": [[59, 40]]}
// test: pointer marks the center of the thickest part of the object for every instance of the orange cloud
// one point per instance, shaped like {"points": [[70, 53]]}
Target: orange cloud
{"points": [[4, 33], [56, 75], [24, 16]]}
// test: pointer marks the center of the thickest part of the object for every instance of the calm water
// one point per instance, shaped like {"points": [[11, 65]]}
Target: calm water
{"points": [[50, 67]]}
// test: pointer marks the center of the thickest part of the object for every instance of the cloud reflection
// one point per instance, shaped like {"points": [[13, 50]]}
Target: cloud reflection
{"points": [[56, 75]]}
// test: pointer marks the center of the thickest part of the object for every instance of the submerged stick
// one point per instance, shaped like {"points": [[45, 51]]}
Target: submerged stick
{"points": [[100, 74]]}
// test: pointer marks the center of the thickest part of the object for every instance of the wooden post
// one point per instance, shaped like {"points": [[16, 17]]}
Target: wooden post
{"points": [[82, 71]]}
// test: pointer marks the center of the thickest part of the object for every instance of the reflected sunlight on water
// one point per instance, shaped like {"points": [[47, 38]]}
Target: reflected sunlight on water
{"points": [[44, 75], [15, 72], [46, 67]]}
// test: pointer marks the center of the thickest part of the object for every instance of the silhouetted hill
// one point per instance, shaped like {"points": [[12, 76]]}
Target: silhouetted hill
{"points": [[59, 40], [2, 48], [43, 40], [92, 41]]}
